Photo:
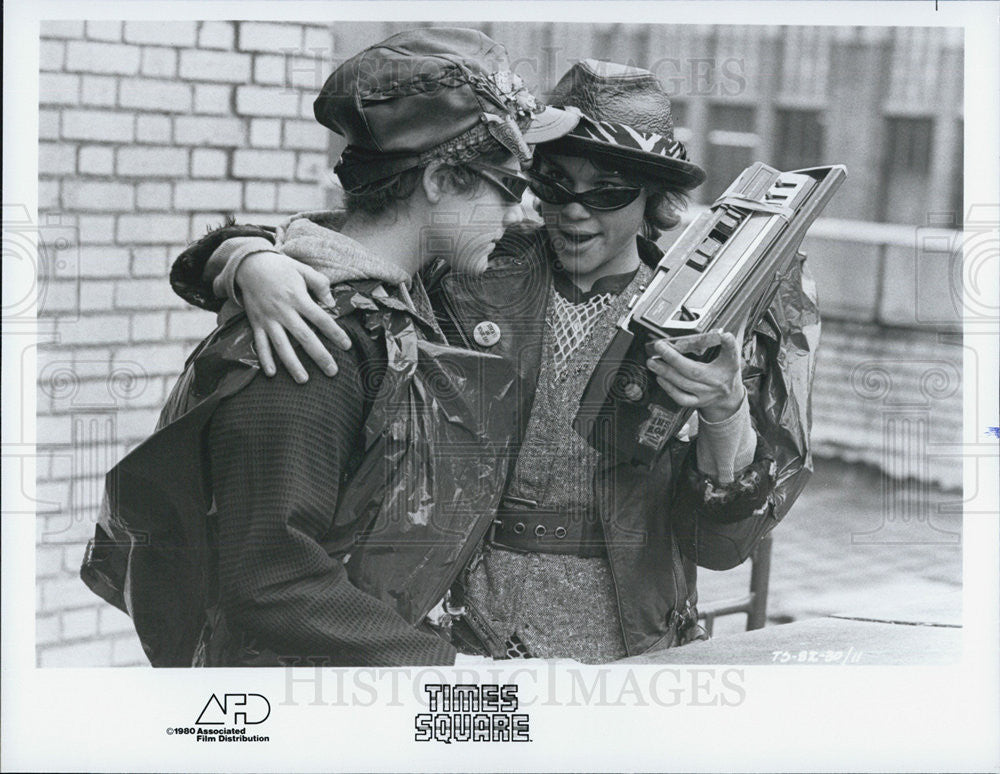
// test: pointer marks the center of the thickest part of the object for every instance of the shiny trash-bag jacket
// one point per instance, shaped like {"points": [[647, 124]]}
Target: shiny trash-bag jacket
{"points": [[437, 439]]}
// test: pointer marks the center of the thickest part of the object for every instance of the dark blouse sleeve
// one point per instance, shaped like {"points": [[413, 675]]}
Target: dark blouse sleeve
{"points": [[718, 526], [280, 454]]}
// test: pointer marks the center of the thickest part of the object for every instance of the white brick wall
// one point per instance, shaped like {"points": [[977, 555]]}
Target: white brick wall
{"points": [[99, 90], [215, 66], [267, 101], [152, 162], [195, 130], [264, 164], [216, 35], [265, 132], [104, 30], [80, 195], [87, 57], [98, 125], [148, 133], [159, 33], [269, 37], [209, 163], [150, 94]]}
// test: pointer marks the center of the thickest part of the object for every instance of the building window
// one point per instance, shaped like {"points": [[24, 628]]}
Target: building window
{"points": [[906, 170], [733, 144], [910, 145], [800, 139]]}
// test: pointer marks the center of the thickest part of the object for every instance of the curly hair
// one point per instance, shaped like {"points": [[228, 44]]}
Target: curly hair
{"points": [[664, 204]]}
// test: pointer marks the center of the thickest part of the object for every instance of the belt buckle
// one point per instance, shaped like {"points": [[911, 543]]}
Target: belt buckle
{"points": [[444, 613], [454, 611], [491, 534], [505, 502]]}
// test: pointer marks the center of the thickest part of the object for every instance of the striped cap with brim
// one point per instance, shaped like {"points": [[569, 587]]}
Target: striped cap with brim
{"points": [[626, 121]]}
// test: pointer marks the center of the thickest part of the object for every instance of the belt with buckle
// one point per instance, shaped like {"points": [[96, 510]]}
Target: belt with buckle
{"points": [[521, 525]]}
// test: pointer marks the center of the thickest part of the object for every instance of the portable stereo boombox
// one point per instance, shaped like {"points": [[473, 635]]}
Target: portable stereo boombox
{"points": [[720, 274]]}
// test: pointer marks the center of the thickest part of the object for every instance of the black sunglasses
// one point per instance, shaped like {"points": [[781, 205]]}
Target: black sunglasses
{"points": [[605, 197], [509, 183]]}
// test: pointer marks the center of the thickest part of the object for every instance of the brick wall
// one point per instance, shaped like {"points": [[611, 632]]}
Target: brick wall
{"points": [[148, 133]]}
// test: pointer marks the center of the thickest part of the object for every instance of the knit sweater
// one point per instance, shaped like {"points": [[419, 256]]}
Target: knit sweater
{"points": [[558, 606]]}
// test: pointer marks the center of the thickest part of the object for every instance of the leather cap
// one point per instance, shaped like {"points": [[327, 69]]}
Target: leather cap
{"points": [[419, 89], [626, 120]]}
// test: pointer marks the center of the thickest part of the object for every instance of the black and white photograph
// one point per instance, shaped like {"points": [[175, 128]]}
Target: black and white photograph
{"points": [[541, 384]]}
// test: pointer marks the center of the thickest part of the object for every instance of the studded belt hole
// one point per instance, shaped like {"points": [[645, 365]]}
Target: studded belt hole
{"points": [[560, 532], [540, 530], [519, 528]]}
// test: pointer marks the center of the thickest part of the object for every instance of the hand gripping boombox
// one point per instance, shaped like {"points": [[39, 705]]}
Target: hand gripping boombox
{"points": [[721, 273]]}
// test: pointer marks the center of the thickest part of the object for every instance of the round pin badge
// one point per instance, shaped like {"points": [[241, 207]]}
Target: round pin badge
{"points": [[486, 333]]}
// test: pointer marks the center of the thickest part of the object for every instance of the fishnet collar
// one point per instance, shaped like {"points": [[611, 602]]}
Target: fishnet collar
{"points": [[572, 324]]}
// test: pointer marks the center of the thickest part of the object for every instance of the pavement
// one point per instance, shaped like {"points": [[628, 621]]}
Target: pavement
{"points": [[854, 539]]}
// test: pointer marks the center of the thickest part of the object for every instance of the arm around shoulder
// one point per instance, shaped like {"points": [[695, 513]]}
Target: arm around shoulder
{"points": [[192, 273]]}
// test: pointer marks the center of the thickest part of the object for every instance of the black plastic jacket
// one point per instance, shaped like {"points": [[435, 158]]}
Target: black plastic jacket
{"points": [[266, 522]]}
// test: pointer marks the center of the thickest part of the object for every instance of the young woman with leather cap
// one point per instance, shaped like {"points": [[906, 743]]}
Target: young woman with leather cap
{"points": [[266, 523], [589, 557]]}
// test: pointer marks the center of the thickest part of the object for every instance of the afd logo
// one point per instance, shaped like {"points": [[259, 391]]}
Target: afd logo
{"points": [[235, 709]]}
